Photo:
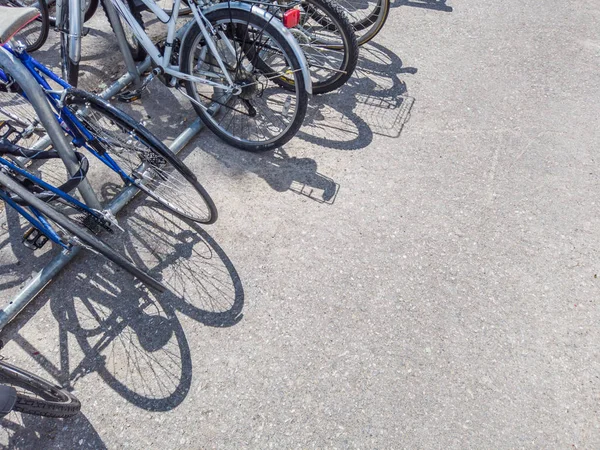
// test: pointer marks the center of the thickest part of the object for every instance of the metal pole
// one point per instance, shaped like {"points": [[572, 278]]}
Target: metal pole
{"points": [[117, 27], [74, 40]]}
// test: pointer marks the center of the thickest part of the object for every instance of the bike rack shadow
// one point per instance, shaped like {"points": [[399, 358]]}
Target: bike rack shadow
{"points": [[437, 5], [373, 102], [25, 431], [279, 170], [11, 231], [129, 336]]}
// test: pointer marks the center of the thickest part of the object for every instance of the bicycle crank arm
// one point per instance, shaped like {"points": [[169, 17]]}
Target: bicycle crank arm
{"points": [[136, 94]]}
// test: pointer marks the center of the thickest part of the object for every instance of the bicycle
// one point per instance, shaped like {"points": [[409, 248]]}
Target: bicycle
{"points": [[231, 64], [117, 140], [27, 393], [367, 17], [326, 38], [36, 32]]}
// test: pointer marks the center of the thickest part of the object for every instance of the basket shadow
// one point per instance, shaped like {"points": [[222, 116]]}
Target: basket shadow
{"points": [[373, 102]]}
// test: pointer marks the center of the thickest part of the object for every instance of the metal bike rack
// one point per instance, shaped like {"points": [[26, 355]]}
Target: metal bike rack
{"points": [[40, 280]]}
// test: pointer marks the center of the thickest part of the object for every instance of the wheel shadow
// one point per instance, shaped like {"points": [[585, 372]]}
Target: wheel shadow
{"points": [[18, 261], [25, 431], [129, 336]]}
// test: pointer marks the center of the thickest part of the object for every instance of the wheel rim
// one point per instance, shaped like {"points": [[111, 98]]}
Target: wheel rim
{"points": [[148, 170], [320, 38], [275, 107]]}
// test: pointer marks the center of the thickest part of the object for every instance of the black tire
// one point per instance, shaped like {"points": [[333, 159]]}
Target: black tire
{"points": [[33, 35], [170, 172], [92, 6], [229, 19], [369, 23], [36, 395], [137, 51], [12, 186], [333, 57]]}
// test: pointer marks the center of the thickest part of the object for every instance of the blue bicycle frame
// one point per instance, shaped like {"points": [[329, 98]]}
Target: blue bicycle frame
{"points": [[81, 136], [34, 216]]}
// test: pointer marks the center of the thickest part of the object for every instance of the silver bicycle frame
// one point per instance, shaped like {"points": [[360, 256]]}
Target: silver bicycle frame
{"points": [[164, 61]]}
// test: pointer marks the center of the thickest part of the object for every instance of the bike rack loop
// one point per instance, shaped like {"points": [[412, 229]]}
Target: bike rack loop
{"points": [[40, 280]]}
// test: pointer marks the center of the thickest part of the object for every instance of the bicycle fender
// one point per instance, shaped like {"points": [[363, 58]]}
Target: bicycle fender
{"points": [[267, 16]]}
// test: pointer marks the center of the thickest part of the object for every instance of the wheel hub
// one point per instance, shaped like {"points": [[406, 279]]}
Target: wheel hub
{"points": [[248, 87]]}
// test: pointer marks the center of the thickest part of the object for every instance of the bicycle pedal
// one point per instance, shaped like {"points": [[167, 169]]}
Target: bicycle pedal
{"points": [[129, 96], [34, 239]]}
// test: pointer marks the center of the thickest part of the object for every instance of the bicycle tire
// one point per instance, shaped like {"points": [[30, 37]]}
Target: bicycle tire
{"points": [[366, 28], [49, 400], [43, 21], [13, 186], [90, 10], [243, 18], [137, 51], [127, 156], [332, 17]]}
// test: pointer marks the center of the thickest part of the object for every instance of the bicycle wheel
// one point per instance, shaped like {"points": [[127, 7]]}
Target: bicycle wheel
{"points": [[33, 35], [329, 44], [19, 122], [367, 17], [260, 114], [36, 395], [155, 169], [72, 232]]}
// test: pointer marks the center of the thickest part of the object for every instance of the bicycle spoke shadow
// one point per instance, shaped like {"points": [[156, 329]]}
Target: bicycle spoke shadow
{"points": [[129, 336], [203, 282], [18, 261], [25, 431], [373, 102]]}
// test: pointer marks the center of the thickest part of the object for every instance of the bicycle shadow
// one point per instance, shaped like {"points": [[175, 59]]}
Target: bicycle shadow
{"points": [[281, 172], [25, 431], [127, 335], [373, 102], [13, 253], [436, 5]]}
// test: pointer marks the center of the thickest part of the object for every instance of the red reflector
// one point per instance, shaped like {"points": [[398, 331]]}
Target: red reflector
{"points": [[291, 18]]}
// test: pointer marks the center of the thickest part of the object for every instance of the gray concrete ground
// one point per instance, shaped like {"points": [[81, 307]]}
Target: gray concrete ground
{"points": [[367, 286]]}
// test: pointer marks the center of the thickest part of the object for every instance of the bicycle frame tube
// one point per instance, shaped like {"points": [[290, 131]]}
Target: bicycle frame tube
{"points": [[163, 61], [43, 184], [78, 130], [35, 218]]}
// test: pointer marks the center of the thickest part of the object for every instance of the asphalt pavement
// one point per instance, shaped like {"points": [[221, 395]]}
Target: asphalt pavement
{"points": [[418, 268]]}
